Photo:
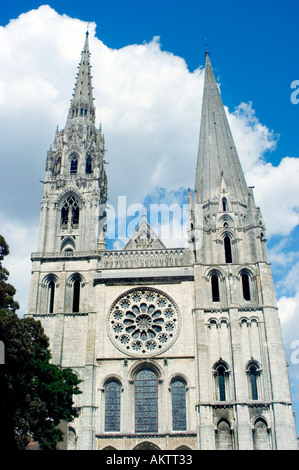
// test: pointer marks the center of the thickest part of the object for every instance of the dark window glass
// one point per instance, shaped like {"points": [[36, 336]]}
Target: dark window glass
{"points": [[215, 288], [51, 296], [221, 381], [88, 168], [76, 296], [75, 216], [178, 391], [253, 383], [112, 406], [64, 216], [74, 165], [146, 401], [228, 250], [245, 286], [70, 206]]}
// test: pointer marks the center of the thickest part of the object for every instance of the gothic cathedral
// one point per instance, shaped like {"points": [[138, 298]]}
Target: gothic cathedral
{"points": [[176, 348]]}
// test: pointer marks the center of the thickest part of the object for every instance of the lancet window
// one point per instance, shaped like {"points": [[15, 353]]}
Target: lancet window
{"points": [[146, 401], [253, 372], [245, 286], [112, 406], [228, 249], [178, 394], [70, 214], [76, 295], [215, 288], [51, 288], [221, 374]]}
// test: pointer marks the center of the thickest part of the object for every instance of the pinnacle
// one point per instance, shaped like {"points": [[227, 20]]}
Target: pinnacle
{"points": [[82, 105]]}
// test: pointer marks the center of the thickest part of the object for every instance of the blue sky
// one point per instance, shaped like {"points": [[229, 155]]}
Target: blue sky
{"points": [[254, 53], [254, 45]]}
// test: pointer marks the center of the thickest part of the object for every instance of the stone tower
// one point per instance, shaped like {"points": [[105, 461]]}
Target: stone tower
{"points": [[236, 318], [75, 186], [177, 348]]}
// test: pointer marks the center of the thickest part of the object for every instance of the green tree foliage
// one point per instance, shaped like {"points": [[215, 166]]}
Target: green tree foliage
{"points": [[7, 291], [35, 394]]}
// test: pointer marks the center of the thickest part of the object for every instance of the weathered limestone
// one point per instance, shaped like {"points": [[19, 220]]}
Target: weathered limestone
{"points": [[203, 319]]}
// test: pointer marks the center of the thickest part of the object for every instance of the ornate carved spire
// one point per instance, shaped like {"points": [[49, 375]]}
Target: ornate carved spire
{"points": [[82, 106]]}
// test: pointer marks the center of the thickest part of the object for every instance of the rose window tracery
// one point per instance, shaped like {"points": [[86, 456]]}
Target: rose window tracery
{"points": [[143, 322]]}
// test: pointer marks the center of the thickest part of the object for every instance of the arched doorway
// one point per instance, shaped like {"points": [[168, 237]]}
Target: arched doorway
{"points": [[146, 446]]}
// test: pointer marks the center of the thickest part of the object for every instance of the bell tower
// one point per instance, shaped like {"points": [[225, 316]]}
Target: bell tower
{"points": [[238, 333], [71, 234], [75, 186]]}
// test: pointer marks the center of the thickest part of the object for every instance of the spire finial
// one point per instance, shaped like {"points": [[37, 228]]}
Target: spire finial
{"points": [[82, 105], [206, 46]]}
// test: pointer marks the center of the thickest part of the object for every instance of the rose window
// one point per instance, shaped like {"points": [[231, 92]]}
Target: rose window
{"points": [[143, 322]]}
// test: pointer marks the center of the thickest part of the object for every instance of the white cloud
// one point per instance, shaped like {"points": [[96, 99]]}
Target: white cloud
{"points": [[288, 310], [149, 105], [22, 241], [281, 255], [289, 318], [276, 187], [252, 138], [277, 191], [290, 281]]}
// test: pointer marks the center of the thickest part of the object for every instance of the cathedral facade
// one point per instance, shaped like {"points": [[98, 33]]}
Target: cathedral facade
{"points": [[176, 348]]}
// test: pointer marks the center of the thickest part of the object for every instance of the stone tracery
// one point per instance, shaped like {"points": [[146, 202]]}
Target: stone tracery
{"points": [[144, 322]]}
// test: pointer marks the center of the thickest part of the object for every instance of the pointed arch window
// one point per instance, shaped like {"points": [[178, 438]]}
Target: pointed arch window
{"points": [[227, 249], [51, 288], [221, 380], [221, 383], [74, 165], [48, 300], [70, 214], [76, 295], [146, 401], [112, 406], [253, 373], [178, 395], [253, 383], [246, 286], [215, 288]]}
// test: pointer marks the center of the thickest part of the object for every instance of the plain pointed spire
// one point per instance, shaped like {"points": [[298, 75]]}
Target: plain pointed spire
{"points": [[82, 105], [217, 155]]}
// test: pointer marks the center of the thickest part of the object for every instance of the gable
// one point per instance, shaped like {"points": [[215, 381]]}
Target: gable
{"points": [[144, 238]]}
